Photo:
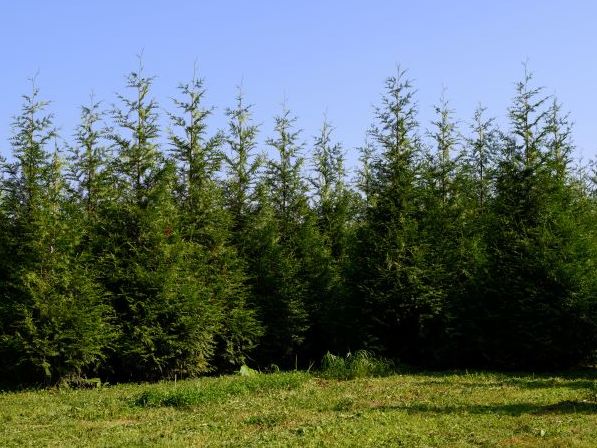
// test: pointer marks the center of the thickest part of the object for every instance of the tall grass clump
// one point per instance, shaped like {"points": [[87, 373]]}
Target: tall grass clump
{"points": [[361, 364], [195, 393]]}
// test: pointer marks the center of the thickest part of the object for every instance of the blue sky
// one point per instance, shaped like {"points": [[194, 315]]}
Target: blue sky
{"points": [[321, 56]]}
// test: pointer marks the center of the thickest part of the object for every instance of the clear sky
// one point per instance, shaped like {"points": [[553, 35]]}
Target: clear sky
{"points": [[322, 56]]}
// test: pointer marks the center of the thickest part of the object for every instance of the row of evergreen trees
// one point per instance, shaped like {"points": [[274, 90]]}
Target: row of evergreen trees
{"points": [[128, 258]]}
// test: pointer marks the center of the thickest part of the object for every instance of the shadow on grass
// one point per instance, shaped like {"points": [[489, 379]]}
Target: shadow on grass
{"points": [[579, 379], [589, 374], [522, 383], [514, 410]]}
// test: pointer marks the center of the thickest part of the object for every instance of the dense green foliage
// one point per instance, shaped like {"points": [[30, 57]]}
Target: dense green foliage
{"points": [[146, 251]]}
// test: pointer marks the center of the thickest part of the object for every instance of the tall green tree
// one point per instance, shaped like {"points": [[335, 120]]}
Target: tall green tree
{"points": [[443, 227], [166, 322], [539, 304], [332, 198], [279, 289], [445, 138], [335, 206], [209, 227], [88, 168], [388, 284], [483, 147], [288, 260], [242, 166], [55, 323]]}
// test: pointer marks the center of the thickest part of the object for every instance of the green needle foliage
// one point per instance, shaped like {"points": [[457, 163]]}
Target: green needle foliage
{"points": [[55, 323], [391, 294], [242, 167], [156, 251], [281, 216], [207, 225], [167, 318], [335, 206]]}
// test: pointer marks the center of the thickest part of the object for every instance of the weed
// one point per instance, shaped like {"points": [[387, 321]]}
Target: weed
{"points": [[362, 364]]}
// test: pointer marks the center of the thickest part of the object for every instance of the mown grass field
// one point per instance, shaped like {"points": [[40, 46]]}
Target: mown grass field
{"points": [[300, 409]]}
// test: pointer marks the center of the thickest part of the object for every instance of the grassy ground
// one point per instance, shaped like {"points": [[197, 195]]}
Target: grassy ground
{"points": [[298, 409]]}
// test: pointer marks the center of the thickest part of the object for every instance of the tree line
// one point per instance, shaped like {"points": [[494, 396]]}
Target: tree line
{"points": [[137, 252]]}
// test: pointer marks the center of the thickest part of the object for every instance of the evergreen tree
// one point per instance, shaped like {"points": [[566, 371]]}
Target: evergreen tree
{"points": [[443, 227], [242, 166], [289, 263], [88, 170], [56, 325], [279, 289], [332, 197], [558, 145], [483, 148], [335, 206], [165, 316], [207, 226], [445, 137], [474, 186], [527, 117], [539, 307], [388, 283]]}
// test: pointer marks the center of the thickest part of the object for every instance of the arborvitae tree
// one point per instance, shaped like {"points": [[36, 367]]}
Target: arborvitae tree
{"points": [[389, 288], [55, 323], [465, 232], [539, 307], [445, 138], [89, 161], [527, 117], [126, 246], [22, 188], [442, 227], [89, 183], [288, 260], [198, 156], [208, 227], [242, 167], [482, 149], [364, 180], [279, 289], [166, 317], [559, 144], [332, 197], [353, 324], [284, 177], [335, 206]]}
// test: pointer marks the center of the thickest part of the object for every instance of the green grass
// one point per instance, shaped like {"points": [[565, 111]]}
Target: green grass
{"points": [[299, 409], [361, 364]]}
